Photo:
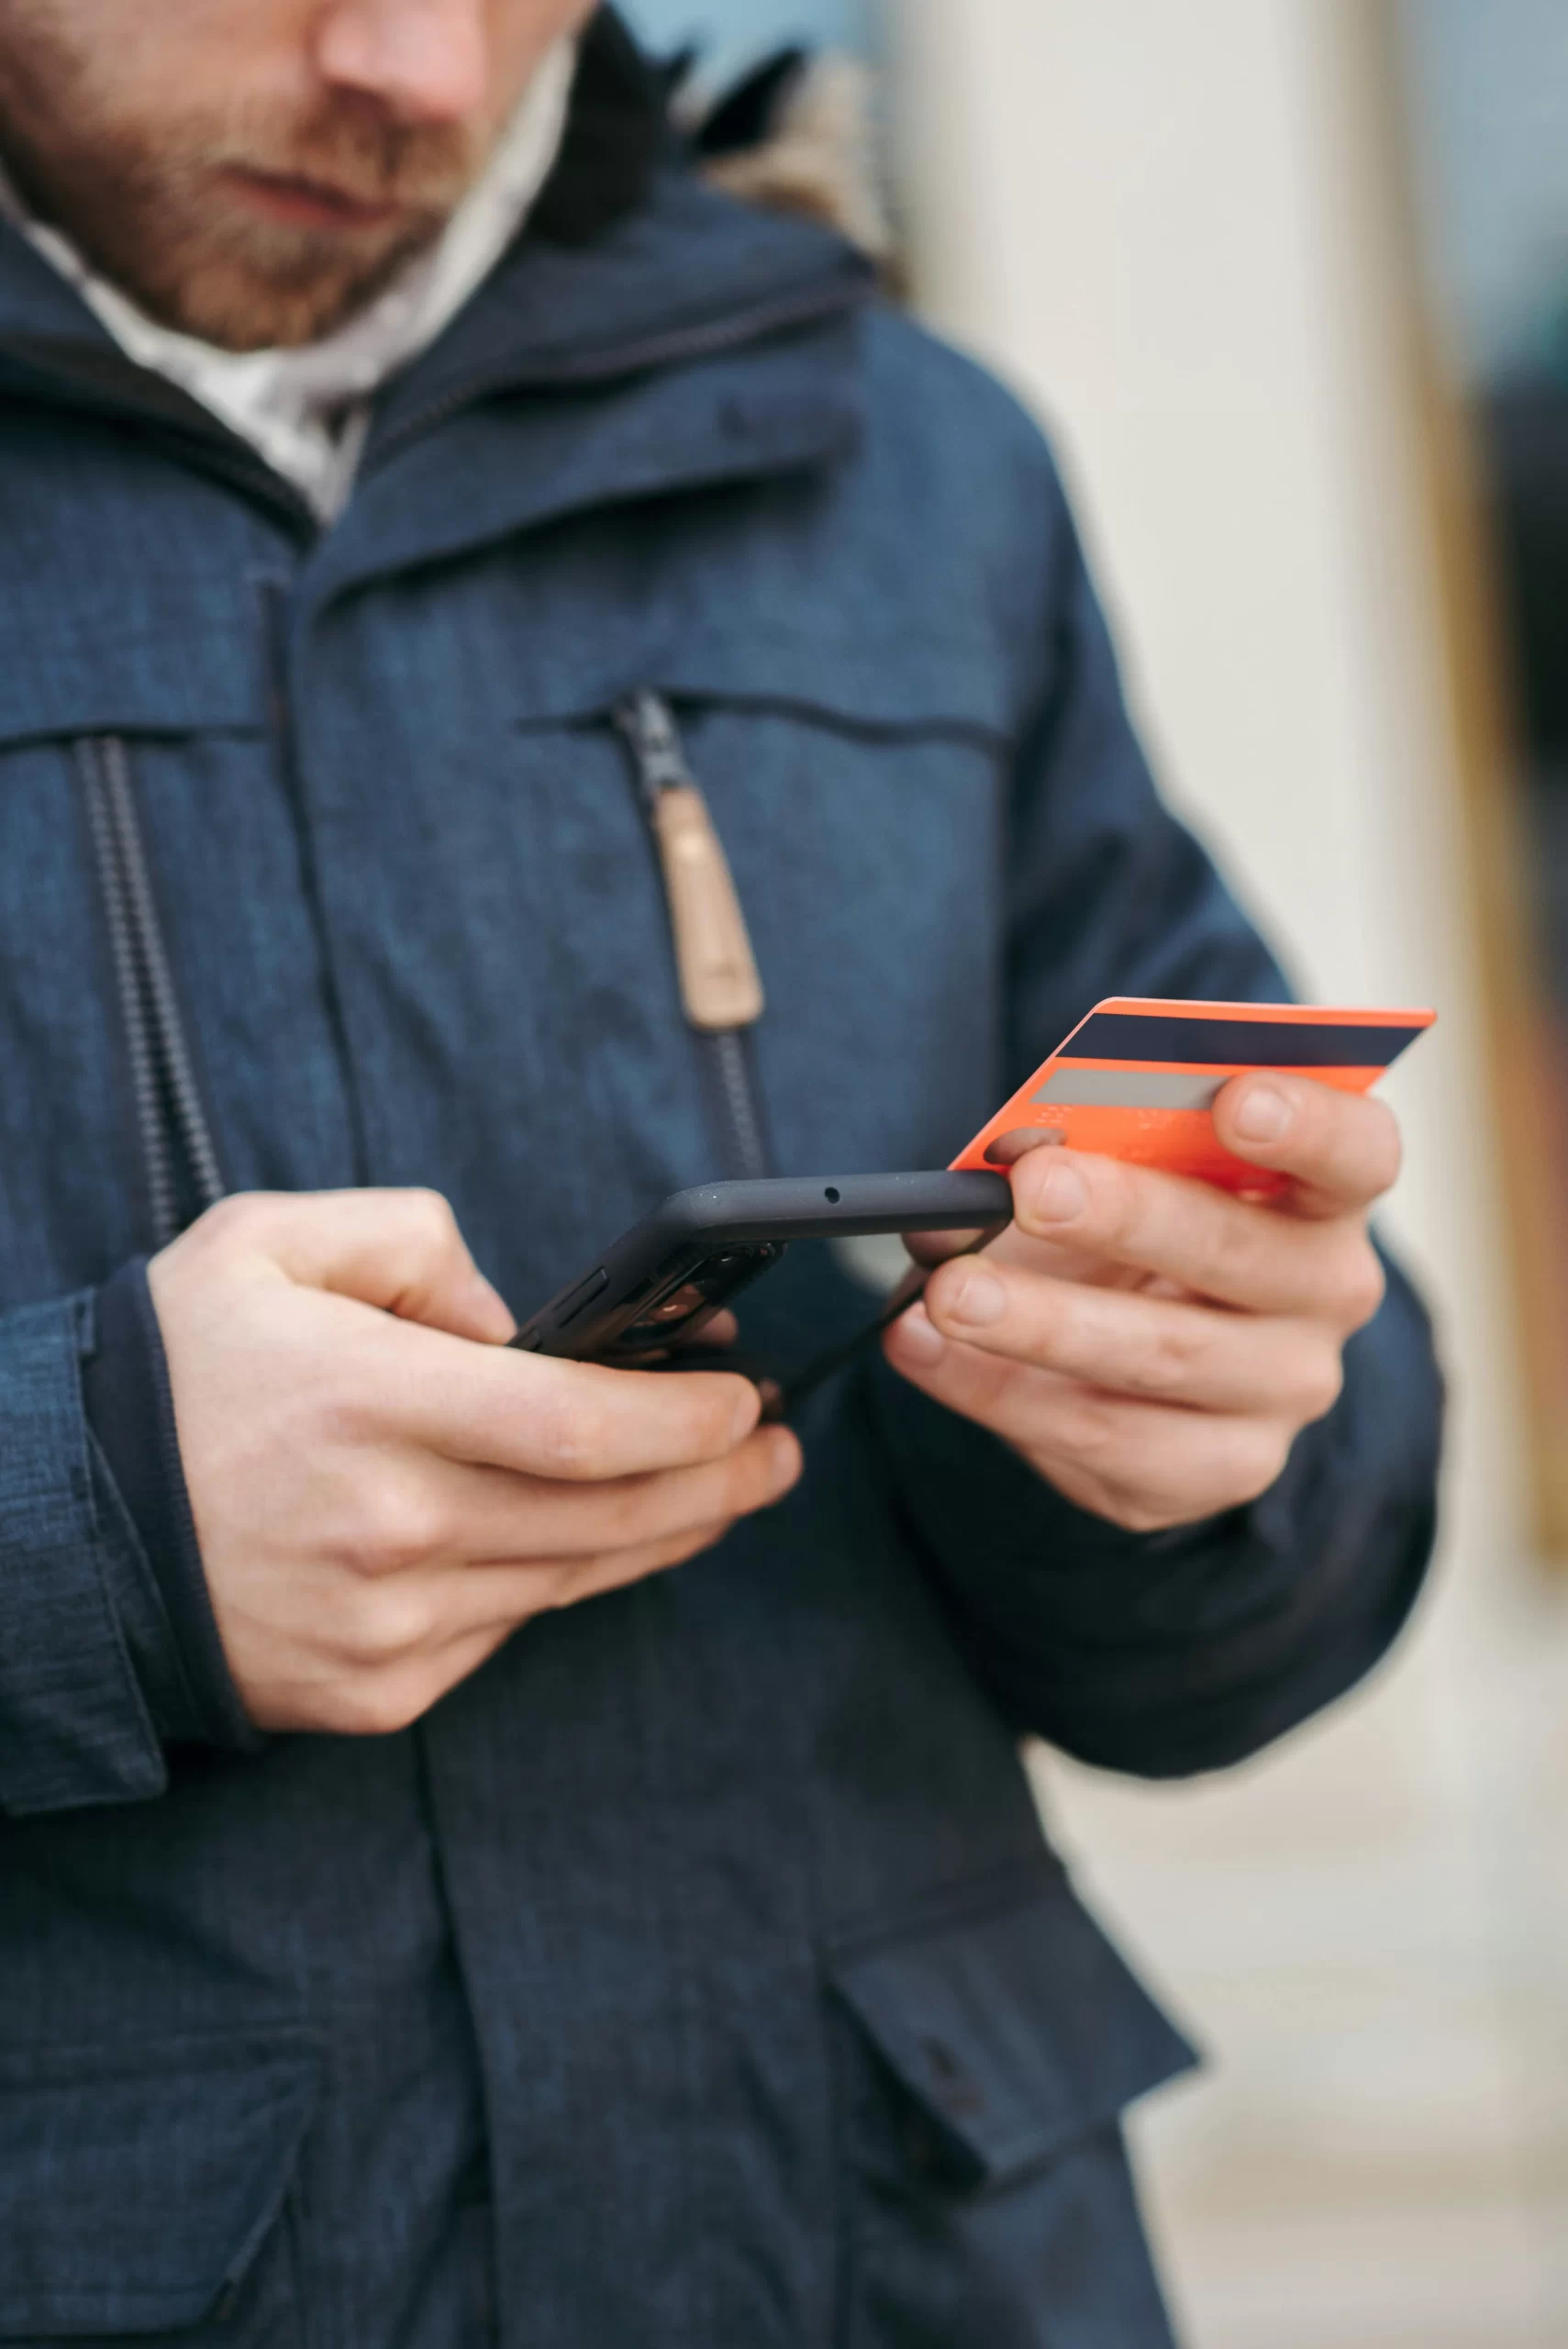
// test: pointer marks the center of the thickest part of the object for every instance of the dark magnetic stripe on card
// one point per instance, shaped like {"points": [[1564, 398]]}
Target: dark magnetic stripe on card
{"points": [[1130, 1088], [1223, 1043]]}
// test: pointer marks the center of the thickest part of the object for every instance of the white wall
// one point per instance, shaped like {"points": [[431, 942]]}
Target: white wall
{"points": [[1171, 227]]}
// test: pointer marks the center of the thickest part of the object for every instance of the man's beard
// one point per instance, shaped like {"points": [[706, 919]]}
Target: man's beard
{"points": [[148, 207]]}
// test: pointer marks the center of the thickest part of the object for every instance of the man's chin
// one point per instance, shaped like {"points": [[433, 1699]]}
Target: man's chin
{"points": [[276, 301]]}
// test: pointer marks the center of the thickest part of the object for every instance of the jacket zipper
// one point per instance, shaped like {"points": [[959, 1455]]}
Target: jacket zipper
{"points": [[721, 993], [172, 1124]]}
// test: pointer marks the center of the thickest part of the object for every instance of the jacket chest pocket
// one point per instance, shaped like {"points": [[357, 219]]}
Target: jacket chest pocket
{"points": [[867, 860], [145, 2192], [988, 2062]]}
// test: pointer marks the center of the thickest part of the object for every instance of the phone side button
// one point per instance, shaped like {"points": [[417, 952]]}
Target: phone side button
{"points": [[582, 1296]]}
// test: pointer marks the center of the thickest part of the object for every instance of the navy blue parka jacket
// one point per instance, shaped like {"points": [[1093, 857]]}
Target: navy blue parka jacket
{"points": [[695, 1976]]}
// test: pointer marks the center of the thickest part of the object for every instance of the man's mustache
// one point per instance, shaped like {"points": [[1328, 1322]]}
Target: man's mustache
{"points": [[424, 166]]}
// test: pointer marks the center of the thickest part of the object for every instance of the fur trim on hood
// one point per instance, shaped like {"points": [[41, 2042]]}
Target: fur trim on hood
{"points": [[798, 137]]}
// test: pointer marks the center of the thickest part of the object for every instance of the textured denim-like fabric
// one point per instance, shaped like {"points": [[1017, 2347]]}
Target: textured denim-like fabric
{"points": [[694, 1974], [166, 1609], [73, 1722]]}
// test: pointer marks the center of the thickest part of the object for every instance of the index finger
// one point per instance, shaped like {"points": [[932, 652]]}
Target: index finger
{"points": [[1233, 1250], [577, 1422], [1341, 1148]]}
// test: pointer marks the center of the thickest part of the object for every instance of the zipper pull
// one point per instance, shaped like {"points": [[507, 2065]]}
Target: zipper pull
{"points": [[717, 971]]}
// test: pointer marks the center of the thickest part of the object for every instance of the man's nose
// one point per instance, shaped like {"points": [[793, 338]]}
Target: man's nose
{"points": [[426, 60]]}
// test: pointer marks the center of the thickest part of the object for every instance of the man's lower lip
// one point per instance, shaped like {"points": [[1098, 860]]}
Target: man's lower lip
{"points": [[304, 205]]}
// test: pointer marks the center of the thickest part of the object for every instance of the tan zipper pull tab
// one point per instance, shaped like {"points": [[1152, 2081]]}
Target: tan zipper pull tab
{"points": [[719, 987], [717, 971]]}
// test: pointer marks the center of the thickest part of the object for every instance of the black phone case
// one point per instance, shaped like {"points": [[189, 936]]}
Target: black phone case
{"points": [[676, 1269]]}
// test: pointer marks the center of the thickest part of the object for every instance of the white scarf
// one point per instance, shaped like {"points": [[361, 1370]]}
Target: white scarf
{"points": [[308, 410]]}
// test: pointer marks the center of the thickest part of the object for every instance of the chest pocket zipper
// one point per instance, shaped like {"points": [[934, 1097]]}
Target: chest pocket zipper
{"points": [[721, 993], [179, 1157]]}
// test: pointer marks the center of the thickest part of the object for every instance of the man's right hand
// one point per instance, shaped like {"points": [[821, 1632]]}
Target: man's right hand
{"points": [[383, 1491]]}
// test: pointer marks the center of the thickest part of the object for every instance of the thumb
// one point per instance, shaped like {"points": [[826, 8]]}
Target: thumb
{"points": [[399, 1250]]}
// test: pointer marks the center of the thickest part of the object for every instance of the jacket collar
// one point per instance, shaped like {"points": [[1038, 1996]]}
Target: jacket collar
{"points": [[687, 275]]}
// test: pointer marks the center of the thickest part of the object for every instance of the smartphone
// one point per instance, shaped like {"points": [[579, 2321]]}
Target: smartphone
{"points": [[673, 1271]]}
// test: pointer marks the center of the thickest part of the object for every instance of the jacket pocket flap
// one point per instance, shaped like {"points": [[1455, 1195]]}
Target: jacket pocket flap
{"points": [[902, 686], [1018, 2029], [137, 2183]]}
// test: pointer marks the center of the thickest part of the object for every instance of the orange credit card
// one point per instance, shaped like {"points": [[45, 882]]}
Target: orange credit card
{"points": [[1138, 1077]]}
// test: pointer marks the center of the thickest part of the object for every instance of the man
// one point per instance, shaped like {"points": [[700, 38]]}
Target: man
{"points": [[426, 1919]]}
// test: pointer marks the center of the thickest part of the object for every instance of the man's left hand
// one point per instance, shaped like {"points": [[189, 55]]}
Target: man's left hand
{"points": [[1153, 1346]]}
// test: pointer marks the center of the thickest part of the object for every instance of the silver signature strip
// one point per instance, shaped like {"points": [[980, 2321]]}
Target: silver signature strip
{"points": [[1119, 1088]]}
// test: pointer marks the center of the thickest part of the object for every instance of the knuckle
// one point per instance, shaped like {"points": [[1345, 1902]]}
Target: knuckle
{"points": [[571, 1438], [432, 1222], [1384, 1153], [1115, 1202], [345, 1418], [407, 1620], [1090, 1426], [750, 1479], [706, 1537], [1176, 1353], [236, 1214], [1324, 1384], [360, 1551], [1070, 1340], [243, 1220], [386, 1629], [395, 1528], [627, 1512], [563, 1581], [1227, 1252], [1349, 1142], [713, 1429], [1139, 1513], [1263, 1456], [432, 1211], [381, 1704], [1364, 1287]]}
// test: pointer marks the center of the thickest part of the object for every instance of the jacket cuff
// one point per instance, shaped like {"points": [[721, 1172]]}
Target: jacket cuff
{"points": [[74, 1725], [1181, 1651], [158, 1584]]}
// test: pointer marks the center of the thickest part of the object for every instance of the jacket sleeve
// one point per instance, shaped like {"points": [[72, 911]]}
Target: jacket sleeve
{"points": [[1180, 1652], [107, 1656]]}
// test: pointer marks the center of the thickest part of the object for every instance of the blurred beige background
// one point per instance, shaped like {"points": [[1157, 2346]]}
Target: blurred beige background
{"points": [[1177, 230]]}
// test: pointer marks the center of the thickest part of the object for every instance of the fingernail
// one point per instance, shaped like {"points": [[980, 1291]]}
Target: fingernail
{"points": [[917, 1337], [784, 1456], [1057, 1196], [1262, 1114], [978, 1298]]}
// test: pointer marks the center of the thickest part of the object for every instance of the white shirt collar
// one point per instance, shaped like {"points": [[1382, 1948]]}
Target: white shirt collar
{"points": [[306, 410]]}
